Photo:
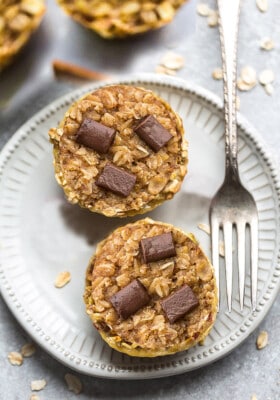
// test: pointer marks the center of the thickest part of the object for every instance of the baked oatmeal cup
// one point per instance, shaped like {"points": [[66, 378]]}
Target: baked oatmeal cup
{"points": [[18, 19], [120, 151], [120, 18], [150, 290]]}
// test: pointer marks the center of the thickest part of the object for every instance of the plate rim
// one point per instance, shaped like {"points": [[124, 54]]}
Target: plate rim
{"points": [[253, 320]]}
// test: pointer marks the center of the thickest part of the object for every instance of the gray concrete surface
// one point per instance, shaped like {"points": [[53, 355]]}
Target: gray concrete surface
{"points": [[29, 85]]}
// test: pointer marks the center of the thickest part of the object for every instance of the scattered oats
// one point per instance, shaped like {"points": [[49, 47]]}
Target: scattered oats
{"points": [[269, 89], [254, 397], [221, 248], [243, 86], [247, 79], [217, 73], [213, 18], [74, 384], [203, 9], [160, 69], [15, 358], [170, 72], [34, 397], [62, 279], [237, 103], [204, 227], [172, 61], [38, 385], [28, 350], [248, 75], [266, 76], [267, 44], [262, 340], [262, 5]]}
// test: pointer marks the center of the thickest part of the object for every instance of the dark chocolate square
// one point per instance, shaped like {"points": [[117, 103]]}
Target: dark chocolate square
{"points": [[130, 299], [179, 303], [95, 135], [153, 133], [157, 247], [117, 180]]}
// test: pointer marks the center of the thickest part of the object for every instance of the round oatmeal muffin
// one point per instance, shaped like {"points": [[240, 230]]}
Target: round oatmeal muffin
{"points": [[18, 19], [150, 290], [120, 151], [120, 18]]}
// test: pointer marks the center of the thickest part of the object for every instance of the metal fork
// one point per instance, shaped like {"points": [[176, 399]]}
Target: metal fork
{"points": [[233, 206]]}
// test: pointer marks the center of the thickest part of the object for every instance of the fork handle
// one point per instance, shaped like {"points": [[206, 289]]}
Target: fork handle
{"points": [[228, 28]]}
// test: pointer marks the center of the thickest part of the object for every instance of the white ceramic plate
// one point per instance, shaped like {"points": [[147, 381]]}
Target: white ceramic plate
{"points": [[41, 235]]}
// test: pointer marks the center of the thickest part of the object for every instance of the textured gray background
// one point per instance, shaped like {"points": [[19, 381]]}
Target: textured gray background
{"points": [[29, 85]]}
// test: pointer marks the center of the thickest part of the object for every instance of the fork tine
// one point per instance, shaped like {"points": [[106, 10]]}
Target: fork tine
{"points": [[241, 261], [227, 228], [254, 261], [215, 253]]}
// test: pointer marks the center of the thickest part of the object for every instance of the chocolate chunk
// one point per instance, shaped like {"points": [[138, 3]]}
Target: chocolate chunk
{"points": [[130, 299], [179, 303], [157, 247], [116, 180], [153, 133], [95, 135]]}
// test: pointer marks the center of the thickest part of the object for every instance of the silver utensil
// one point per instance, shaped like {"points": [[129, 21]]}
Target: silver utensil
{"points": [[233, 207]]}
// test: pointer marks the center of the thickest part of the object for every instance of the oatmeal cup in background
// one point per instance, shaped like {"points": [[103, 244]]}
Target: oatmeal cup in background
{"points": [[18, 19], [120, 151], [150, 290], [121, 18]]}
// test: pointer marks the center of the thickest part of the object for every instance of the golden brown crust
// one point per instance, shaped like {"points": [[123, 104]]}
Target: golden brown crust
{"points": [[120, 18], [148, 332], [158, 175], [18, 19]]}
